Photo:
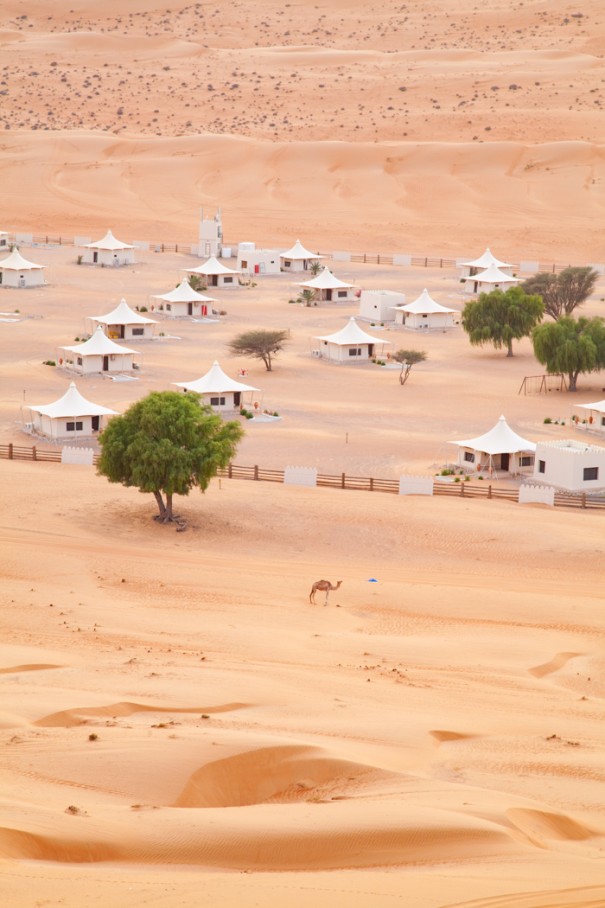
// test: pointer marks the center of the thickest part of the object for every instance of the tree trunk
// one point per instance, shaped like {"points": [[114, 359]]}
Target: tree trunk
{"points": [[267, 362], [509, 351], [161, 505], [573, 381], [168, 515]]}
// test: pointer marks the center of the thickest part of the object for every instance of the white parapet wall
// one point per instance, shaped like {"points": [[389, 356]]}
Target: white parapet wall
{"points": [[529, 267], [300, 476], [77, 455], [536, 495], [415, 485], [402, 259], [341, 256]]}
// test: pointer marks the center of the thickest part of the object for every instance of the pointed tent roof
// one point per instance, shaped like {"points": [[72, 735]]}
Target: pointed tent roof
{"points": [[16, 262], [71, 404], [351, 334], [325, 280], [499, 440], [424, 304], [493, 275], [98, 345], [123, 315], [212, 266], [598, 406], [298, 252], [108, 242], [184, 293], [215, 380], [487, 259]]}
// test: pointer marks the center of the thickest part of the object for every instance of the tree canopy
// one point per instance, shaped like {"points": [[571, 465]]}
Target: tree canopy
{"points": [[571, 347], [562, 293], [166, 444], [259, 344], [408, 358], [502, 316]]}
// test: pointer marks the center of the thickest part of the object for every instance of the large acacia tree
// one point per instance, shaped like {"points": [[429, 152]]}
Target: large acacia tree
{"points": [[561, 293], [259, 344], [502, 316], [166, 444], [571, 347]]}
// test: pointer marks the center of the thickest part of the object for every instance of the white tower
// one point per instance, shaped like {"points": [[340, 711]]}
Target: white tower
{"points": [[211, 235]]}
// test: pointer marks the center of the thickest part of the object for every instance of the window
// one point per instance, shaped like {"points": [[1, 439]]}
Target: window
{"points": [[526, 461], [79, 360], [469, 457], [228, 280], [217, 401], [74, 426], [168, 307], [286, 263], [591, 473], [342, 294], [541, 466], [603, 420], [138, 332], [354, 351]]}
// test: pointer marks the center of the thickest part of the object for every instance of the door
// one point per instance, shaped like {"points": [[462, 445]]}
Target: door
{"points": [[95, 257], [329, 295], [95, 423], [237, 397], [504, 461], [189, 308], [204, 310], [105, 364], [370, 351]]}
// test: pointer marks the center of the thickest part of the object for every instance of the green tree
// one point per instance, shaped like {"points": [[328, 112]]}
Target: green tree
{"points": [[166, 444], [260, 345], [306, 297], [502, 316], [571, 347], [197, 282], [315, 267], [562, 293], [408, 358]]}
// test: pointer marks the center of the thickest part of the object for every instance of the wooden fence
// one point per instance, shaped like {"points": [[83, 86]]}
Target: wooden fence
{"points": [[462, 489]]}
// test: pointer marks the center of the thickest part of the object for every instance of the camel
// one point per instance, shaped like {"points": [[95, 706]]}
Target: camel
{"points": [[323, 585]]}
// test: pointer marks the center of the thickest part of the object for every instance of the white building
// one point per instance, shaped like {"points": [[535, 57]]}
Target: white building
{"points": [[15, 271], [350, 345], [253, 261], [215, 274], [379, 305], [97, 354], [424, 312], [499, 450], [69, 417], [570, 465], [297, 258], [493, 278], [184, 301], [108, 252], [123, 323], [3, 240], [329, 288], [219, 391], [483, 262], [210, 235]]}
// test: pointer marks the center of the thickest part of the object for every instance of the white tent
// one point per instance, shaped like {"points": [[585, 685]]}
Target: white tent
{"points": [[424, 312], [71, 416], [124, 323], [499, 449], [595, 420], [98, 354], [484, 261], [218, 390], [184, 300], [108, 251], [329, 288], [216, 274], [16, 271], [297, 258], [349, 345], [490, 279]]}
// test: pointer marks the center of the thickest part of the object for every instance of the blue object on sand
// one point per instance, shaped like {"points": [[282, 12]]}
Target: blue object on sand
{"points": [[372, 580]]}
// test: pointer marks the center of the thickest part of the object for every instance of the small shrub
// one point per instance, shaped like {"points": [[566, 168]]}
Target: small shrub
{"points": [[93, 737], [79, 260], [457, 479], [447, 472], [49, 362], [480, 477], [547, 420], [143, 309]]}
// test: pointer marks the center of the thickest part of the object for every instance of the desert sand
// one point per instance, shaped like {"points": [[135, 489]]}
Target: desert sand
{"points": [[180, 726]]}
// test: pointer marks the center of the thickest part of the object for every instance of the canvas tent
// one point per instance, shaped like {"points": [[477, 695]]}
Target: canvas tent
{"points": [[108, 252], [297, 258], [493, 278], [184, 301], [98, 354], [218, 390], [500, 449], [69, 417], [216, 274], [123, 323], [485, 261], [16, 271], [329, 288], [424, 312], [349, 345], [595, 418]]}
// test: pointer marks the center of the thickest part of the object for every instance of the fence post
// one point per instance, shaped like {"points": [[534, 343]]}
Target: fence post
{"points": [[489, 491], [378, 259], [371, 484], [365, 258], [256, 471], [10, 450], [462, 490], [162, 247], [176, 247], [583, 499], [34, 453], [230, 471], [342, 481], [426, 261]]}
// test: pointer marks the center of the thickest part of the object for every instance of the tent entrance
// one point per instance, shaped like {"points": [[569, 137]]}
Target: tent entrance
{"points": [[504, 461]]}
